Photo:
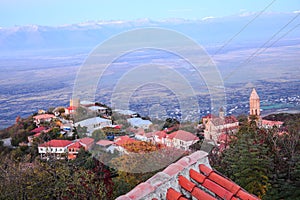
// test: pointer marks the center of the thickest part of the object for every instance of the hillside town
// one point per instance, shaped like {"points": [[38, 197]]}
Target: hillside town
{"points": [[213, 129], [65, 132]]}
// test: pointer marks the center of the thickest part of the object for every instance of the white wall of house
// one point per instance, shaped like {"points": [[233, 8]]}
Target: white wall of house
{"points": [[58, 150]]}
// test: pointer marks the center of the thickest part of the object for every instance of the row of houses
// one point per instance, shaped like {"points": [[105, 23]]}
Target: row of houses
{"points": [[179, 139]]}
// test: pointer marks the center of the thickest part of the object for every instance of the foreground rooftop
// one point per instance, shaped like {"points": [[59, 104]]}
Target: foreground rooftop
{"points": [[189, 178]]}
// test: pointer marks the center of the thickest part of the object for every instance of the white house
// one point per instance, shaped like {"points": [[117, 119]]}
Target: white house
{"points": [[179, 139], [93, 124], [139, 122], [98, 109], [54, 149]]}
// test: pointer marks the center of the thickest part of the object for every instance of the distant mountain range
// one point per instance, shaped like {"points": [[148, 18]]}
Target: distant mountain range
{"points": [[209, 32]]}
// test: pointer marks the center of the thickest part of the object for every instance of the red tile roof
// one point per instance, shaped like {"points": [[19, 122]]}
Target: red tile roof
{"points": [[189, 177], [120, 141], [56, 143], [75, 145], [104, 143], [43, 116], [87, 141], [227, 120], [37, 134], [161, 134], [271, 123], [72, 108], [38, 129], [183, 135]]}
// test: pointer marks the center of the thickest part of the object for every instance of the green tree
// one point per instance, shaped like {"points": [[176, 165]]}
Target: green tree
{"points": [[247, 162]]}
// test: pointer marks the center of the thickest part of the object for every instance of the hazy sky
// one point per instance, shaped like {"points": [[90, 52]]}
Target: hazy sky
{"points": [[60, 12]]}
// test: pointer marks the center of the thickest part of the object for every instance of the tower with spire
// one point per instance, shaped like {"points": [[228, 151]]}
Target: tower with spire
{"points": [[254, 103], [255, 106]]}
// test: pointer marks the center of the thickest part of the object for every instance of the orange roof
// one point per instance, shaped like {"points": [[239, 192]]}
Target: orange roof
{"points": [[161, 134], [75, 145], [271, 123], [56, 143], [192, 179], [104, 142], [38, 129], [72, 108], [43, 116], [87, 141], [37, 134], [183, 135], [123, 140]]}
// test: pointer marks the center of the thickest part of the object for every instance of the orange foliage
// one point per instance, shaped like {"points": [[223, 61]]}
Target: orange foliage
{"points": [[141, 147]]}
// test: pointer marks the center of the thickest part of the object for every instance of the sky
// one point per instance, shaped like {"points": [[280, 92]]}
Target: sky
{"points": [[62, 12]]}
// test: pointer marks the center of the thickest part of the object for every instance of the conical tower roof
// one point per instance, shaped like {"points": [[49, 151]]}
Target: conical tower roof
{"points": [[254, 94]]}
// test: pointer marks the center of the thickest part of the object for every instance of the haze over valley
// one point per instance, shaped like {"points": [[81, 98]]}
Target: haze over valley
{"points": [[39, 64]]}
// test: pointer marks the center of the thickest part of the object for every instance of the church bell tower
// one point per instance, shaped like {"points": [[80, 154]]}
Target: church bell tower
{"points": [[255, 108], [254, 103]]}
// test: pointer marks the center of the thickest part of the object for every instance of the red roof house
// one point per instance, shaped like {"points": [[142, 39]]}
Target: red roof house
{"points": [[54, 149], [178, 139], [73, 150], [87, 142], [43, 118], [38, 129], [104, 143], [269, 124]]}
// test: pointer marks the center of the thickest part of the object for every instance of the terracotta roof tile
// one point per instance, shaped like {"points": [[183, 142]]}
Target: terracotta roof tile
{"points": [[174, 195], [217, 189], [242, 194], [197, 176], [204, 169], [200, 194], [186, 184], [226, 183]]}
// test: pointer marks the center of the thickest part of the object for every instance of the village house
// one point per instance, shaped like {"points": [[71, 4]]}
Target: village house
{"points": [[93, 124], [98, 109], [179, 139], [214, 126], [70, 110], [37, 132], [42, 118], [57, 149], [83, 143], [139, 123], [104, 144], [61, 149]]}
